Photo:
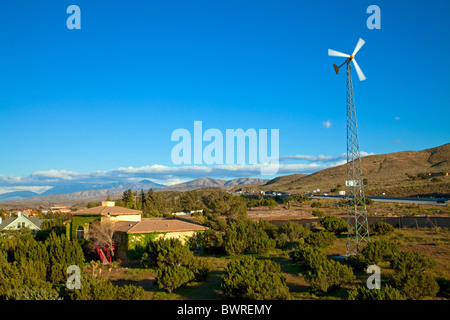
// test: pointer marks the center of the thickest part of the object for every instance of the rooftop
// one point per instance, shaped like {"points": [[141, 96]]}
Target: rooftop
{"points": [[107, 207], [148, 225], [7, 221]]}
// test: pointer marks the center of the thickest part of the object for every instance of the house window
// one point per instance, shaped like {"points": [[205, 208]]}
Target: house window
{"points": [[23, 224], [18, 225], [80, 232]]}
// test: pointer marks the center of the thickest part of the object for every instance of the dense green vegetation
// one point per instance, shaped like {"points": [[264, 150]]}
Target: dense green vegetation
{"points": [[37, 269], [249, 278], [236, 258]]}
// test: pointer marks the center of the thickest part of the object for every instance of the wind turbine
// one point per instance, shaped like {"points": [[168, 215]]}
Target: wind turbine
{"points": [[358, 227], [350, 57]]}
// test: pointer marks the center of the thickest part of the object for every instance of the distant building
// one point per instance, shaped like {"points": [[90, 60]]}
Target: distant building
{"points": [[187, 213], [19, 222], [438, 174]]}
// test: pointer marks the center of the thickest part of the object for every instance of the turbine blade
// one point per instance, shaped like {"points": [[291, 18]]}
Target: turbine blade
{"points": [[361, 75], [337, 53], [358, 46]]}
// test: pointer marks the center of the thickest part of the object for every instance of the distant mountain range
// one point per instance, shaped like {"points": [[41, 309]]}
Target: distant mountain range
{"points": [[395, 174], [211, 183], [392, 174], [101, 191]]}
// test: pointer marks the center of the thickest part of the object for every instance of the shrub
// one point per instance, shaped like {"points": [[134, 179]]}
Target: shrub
{"points": [[253, 279], [261, 246], [411, 276], [249, 236], [329, 275], [418, 285], [165, 252], [235, 239], [294, 231], [173, 277], [405, 263], [316, 204], [334, 224], [200, 268], [269, 228], [321, 239], [281, 240], [380, 228], [378, 251], [309, 257], [32, 293], [270, 202], [356, 262], [210, 240], [100, 289], [317, 213], [385, 293]]}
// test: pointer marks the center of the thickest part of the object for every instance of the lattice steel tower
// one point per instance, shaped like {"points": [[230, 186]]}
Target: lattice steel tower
{"points": [[358, 227]]}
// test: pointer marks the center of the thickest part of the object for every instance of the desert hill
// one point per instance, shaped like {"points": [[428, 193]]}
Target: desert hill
{"points": [[395, 174]]}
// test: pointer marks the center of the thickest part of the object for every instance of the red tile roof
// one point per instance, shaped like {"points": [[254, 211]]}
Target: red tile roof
{"points": [[104, 210], [148, 225]]}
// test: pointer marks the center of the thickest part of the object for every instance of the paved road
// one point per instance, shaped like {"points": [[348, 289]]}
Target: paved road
{"points": [[429, 201]]}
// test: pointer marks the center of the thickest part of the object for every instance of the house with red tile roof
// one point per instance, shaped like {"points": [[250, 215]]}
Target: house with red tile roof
{"points": [[131, 231]]}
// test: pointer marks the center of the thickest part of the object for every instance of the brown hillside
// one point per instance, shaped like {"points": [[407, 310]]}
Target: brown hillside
{"points": [[385, 173]]}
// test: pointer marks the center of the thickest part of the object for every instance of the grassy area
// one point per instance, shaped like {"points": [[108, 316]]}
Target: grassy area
{"points": [[434, 242]]}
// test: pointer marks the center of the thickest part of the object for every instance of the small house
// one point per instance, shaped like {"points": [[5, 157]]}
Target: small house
{"points": [[131, 231], [19, 222]]}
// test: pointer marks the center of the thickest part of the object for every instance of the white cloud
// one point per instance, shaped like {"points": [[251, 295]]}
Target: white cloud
{"points": [[327, 124], [322, 158], [40, 181], [37, 189]]}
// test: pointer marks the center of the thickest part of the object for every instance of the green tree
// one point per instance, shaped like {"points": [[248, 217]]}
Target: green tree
{"points": [[155, 205], [334, 224], [418, 285], [261, 245], [329, 275], [253, 279], [377, 251], [235, 238], [173, 277], [380, 228], [294, 231], [307, 256], [270, 202], [321, 239], [412, 275], [128, 199], [317, 213], [385, 293], [166, 252], [62, 253], [143, 201], [231, 207], [200, 267], [32, 293], [101, 289]]}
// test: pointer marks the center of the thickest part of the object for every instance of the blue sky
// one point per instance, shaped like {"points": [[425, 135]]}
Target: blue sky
{"points": [[109, 96]]}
